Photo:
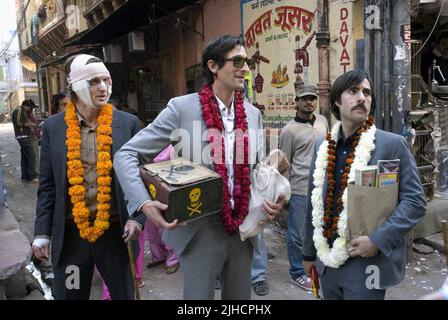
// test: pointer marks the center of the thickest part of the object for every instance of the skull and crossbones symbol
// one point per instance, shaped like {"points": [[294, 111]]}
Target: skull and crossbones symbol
{"points": [[195, 202]]}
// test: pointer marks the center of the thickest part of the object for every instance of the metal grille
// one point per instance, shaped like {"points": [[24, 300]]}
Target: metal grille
{"points": [[423, 149], [443, 124], [415, 65]]}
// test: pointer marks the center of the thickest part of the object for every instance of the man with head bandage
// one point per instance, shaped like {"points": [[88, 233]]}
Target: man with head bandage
{"points": [[80, 206]]}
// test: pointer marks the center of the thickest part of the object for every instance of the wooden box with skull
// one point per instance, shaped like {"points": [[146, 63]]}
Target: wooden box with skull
{"points": [[190, 190]]}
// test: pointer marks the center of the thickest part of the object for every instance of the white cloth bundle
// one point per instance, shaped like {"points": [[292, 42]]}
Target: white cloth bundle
{"points": [[266, 183]]}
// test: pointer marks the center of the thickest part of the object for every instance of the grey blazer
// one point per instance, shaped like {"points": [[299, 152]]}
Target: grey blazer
{"points": [[52, 195], [390, 236], [181, 125]]}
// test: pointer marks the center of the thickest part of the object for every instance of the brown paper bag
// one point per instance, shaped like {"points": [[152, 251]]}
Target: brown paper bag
{"points": [[368, 208]]}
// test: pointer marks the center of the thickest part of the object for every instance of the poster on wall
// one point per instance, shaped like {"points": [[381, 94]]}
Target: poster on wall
{"points": [[340, 19], [281, 40]]}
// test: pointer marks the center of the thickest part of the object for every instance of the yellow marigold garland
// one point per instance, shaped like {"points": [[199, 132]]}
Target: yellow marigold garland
{"points": [[75, 173]]}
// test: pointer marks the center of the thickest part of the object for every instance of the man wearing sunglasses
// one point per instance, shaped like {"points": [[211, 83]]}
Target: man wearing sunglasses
{"points": [[210, 246], [80, 206]]}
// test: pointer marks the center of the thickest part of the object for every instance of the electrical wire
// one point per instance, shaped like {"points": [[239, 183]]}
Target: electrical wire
{"points": [[430, 34], [5, 49], [8, 44]]}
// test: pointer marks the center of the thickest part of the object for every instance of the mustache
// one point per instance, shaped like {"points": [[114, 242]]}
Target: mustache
{"points": [[360, 106]]}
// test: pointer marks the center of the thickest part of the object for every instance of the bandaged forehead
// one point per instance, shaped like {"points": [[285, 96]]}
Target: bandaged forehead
{"points": [[82, 71]]}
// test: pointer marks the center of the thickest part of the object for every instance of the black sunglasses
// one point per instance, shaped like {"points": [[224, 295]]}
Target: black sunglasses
{"points": [[238, 61]]}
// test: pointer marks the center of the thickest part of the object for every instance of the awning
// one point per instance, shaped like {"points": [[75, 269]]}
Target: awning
{"points": [[28, 63], [132, 15], [65, 56]]}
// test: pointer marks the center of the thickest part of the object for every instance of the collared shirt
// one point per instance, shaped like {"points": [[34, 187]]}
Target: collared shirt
{"points": [[297, 140], [89, 157], [301, 120], [343, 149], [228, 120]]}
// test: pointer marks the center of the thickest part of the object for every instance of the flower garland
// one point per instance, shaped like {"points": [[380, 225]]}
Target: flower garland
{"points": [[75, 173], [241, 191], [326, 226], [331, 222]]}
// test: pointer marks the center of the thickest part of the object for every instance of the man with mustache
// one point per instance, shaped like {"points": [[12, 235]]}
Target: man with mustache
{"points": [[210, 246], [297, 142], [355, 142], [80, 205]]}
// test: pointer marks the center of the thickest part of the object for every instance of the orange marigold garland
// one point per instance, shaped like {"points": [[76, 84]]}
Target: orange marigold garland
{"points": [[75, 173], [330, 225]]}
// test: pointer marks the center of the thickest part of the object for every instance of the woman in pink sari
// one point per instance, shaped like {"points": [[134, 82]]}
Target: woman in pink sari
{"points": [[160, 252]]}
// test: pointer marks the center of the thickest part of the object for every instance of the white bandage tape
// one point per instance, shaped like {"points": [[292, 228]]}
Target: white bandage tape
{"points": [[41, 243]]}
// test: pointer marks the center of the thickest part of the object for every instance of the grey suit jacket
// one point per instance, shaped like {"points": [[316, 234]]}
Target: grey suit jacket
{"points": [[390, 236], [181, 125], [53, 200]]}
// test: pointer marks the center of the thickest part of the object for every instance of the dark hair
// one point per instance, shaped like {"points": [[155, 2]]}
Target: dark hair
{"points": [[67, 65], [216, 50], [55, 99], [28, 103], [344, 82]]}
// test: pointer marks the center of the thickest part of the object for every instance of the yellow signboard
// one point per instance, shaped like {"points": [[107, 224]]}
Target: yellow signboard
{"points": [[280, 38]]}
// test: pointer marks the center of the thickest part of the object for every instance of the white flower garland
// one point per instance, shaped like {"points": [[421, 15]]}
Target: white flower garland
{"points": [[337, 255]]}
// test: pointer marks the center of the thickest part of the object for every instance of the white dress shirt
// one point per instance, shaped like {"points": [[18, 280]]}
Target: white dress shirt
{"points": [[228, 120]]}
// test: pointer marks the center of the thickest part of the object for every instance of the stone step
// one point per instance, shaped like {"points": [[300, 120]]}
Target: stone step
{"points": [[15, 249]]}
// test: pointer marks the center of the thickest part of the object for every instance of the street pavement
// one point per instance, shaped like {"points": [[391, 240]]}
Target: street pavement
{"points": [[425, 273]]}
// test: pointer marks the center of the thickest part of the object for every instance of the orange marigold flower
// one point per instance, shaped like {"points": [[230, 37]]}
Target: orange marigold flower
{"points": [[101, 197], [104, 130], [75, 180], [79, 220], [77, 190], [104, 140], [103, 156], [103, 225], [104, 181], [103, 172], [82, 213], [104, 189], [75, 172], [84, 225], [104, 148], [72, 124], [72, 155], [74, 164], [73, 148], [103, 207], [105, 165], [102, 215], [76, 199]]}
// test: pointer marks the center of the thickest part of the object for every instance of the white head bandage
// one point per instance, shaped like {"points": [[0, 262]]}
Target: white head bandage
{"points": [[81, 73]]}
